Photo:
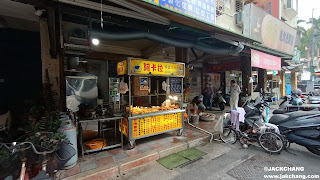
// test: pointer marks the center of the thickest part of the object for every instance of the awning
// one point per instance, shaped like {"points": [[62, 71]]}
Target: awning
{"points": [[265, 61], [293, 67]]}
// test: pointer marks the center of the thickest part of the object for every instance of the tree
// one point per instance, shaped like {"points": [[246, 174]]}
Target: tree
{"points": [[307, 36], [314, 34]]}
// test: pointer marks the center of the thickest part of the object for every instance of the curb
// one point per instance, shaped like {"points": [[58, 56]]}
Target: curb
{"points": [[115, 169]]}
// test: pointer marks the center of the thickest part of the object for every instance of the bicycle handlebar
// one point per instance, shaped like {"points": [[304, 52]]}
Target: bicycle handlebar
{"points": [[11, 149]]}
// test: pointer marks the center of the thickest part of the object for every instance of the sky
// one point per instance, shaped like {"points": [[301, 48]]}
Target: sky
{"points": [[305, 11]]}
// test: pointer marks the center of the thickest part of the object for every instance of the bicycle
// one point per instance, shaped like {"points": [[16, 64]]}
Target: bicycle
{"points": [[43, 174], [267, 139]]}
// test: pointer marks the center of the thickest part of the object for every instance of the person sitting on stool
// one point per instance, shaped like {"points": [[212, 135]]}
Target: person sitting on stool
{"points": [[198, 105]]}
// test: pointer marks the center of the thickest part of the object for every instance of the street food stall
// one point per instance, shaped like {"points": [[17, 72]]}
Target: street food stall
{"points": [[151, 97]]}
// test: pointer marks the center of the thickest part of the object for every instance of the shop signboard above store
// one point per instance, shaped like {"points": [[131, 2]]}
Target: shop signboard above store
{"points": [[229, 66], [202, 10], [145, 67], [268, 30], [265, 61], [296, 56]]}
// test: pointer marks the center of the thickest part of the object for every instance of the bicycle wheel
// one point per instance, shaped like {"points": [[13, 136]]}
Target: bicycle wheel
{"points": [[271, 142], [229, 135]]}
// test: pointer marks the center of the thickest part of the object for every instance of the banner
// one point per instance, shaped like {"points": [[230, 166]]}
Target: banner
{"points": [[265, 61], [122, 68], [145, 67]]}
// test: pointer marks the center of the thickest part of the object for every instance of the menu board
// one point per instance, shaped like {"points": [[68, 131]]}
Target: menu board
{"points": [[175, 85]]}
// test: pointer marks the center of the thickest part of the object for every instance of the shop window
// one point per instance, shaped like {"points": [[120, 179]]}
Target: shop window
{"points": [[292, 4]]}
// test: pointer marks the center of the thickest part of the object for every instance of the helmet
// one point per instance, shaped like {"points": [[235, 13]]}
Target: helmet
{"points": [[297, 101], [200, 98], [297, 92]]}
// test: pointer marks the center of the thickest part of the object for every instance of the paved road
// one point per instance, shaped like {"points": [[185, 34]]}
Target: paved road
{"points": [[225, 159]]}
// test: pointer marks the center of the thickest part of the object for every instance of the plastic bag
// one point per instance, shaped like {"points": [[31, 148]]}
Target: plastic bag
{"points": [[123, 87]]}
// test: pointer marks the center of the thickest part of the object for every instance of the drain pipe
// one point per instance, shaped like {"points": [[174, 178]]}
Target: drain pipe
{"points": [[211, 134]]}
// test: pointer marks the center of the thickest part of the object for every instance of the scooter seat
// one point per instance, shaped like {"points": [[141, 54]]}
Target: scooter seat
{"points": [[298, 114], [278, 119], [279, 111]]}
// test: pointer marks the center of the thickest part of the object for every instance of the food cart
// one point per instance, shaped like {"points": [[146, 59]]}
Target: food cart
{"points": [[153, 102]]}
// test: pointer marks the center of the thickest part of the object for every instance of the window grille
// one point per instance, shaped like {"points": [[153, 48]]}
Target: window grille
{"points": [[239, 5]]}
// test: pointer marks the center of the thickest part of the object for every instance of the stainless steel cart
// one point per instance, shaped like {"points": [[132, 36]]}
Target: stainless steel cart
{"points": [[149, 124]]}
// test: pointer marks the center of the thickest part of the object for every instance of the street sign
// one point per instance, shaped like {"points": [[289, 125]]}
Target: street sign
{"points": [[296, 56]]}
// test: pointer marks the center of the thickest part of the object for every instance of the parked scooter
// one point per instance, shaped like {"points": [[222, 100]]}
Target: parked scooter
{"points": [[294, 99], [301, 127], [218, 100]]}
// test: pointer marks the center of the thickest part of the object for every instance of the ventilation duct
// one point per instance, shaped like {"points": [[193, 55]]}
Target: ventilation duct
{"points": [[134, 35]]}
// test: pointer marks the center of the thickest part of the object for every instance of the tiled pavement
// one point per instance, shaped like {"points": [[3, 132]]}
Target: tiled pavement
{"points": [[144, 146]]}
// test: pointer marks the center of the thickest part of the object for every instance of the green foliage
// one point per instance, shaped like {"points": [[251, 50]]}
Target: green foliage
{"points": [[46, 141], [306, 35], [36, 111]]}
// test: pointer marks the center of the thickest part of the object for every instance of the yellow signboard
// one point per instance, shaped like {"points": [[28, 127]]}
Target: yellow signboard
{"points": [[122, 67], [152, 125], [155, 124], [156, 68]]}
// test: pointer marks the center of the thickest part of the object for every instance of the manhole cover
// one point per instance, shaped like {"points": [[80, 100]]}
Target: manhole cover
{"points": [[253, 168]]}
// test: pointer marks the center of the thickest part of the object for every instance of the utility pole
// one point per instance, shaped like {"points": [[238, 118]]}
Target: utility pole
{"points": [[312, 47]]}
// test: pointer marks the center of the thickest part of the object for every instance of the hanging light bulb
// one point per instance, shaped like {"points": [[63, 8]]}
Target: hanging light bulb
{"points": [[95, 41]]}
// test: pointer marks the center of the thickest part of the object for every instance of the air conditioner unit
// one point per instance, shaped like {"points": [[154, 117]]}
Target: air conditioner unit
{"points": [[239, 19]]}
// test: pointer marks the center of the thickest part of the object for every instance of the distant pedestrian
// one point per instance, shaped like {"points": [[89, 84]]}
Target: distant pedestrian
{"points": [[234, 94]]}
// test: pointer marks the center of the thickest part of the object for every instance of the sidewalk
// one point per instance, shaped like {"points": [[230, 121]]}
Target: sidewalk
{"points": [[118, 161]]}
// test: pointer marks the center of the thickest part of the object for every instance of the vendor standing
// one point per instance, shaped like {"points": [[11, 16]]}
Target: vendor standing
{"points": [[207, 93], [234, 94]]}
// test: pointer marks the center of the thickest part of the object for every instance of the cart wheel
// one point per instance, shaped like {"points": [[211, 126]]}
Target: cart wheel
{"points": [[132, 144], [179, 132]]}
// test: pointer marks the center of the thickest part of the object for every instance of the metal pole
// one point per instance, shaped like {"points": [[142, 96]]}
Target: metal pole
{"points": [[312, 45]]}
